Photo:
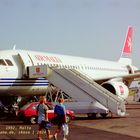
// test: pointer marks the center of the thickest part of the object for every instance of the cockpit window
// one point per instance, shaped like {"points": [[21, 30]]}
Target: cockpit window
{"points": [[9, 62], [2, 62]]}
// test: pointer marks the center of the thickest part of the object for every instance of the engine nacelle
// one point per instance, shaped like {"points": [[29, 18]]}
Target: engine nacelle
{"points": [[117, 87]]}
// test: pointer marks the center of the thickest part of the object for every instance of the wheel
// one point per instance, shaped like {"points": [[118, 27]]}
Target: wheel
{"points": [[92, 115], [68, 118], [104, 115], [33, 120]]}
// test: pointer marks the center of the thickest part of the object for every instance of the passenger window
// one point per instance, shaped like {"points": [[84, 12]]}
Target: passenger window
{"points": [[2, 62], [9, 62]]}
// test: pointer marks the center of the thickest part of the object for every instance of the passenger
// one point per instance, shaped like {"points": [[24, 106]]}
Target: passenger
{"points": [[43, 118], [61, 118]]}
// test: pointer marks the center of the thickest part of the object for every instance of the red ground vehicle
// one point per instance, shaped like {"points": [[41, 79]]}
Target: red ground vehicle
{"points": [[28, 112]]}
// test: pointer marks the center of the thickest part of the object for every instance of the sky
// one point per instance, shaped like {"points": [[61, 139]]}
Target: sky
{"points": [[87, 28]]}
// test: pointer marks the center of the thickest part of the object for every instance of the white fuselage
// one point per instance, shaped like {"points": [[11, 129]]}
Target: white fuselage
{"points": [[13, 79]]}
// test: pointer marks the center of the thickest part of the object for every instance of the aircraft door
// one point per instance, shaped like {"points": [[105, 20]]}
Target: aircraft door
{"points": [[26, 61]]}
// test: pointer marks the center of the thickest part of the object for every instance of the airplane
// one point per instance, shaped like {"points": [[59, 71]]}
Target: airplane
{"points": [[114, 76]]}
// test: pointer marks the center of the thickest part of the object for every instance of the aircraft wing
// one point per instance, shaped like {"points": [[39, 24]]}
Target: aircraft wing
{"points": [[131, 76], [127, 78]]}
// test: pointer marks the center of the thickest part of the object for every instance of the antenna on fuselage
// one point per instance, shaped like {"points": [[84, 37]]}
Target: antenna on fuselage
{"points": [[14, 47]]}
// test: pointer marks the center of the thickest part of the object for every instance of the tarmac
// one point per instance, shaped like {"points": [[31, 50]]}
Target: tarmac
{"points": [[25, 132], [82, 128]]}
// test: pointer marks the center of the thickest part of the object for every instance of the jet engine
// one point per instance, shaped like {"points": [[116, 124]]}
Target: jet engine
{"points": [[117, 87]]}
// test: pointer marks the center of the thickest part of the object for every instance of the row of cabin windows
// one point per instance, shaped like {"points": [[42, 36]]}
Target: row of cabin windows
{"points": [[9, 63], [5, 62], [84, 67]]}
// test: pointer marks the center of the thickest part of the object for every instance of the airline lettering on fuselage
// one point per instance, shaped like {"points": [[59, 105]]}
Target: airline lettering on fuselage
{"points": [[48, 58]]}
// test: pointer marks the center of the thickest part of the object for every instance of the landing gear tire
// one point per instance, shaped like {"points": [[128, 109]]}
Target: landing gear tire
{"points": [[68, 118], [104, 115], [33, 120]]}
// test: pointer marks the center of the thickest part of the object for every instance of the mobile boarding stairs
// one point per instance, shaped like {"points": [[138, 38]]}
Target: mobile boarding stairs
{"points": [[82, 88]]}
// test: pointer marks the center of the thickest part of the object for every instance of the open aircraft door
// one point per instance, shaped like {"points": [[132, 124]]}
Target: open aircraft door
{"points": [[26, 62]]}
